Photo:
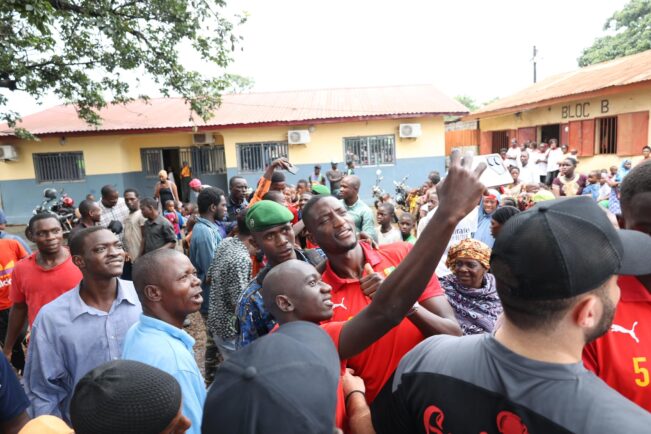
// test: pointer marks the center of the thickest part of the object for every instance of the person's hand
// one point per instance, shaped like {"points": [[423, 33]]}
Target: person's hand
{"points": [[371, 281], [280, 163], [351, 382], [363, 236], [460, 191]]}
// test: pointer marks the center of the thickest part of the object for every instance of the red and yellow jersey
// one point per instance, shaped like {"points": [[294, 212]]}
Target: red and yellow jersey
{"points": [[11, 251], [376, 364], [622, 357]]}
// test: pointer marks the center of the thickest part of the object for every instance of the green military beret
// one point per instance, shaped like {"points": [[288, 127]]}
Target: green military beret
{"points": [[320, 189], [267, 214]]}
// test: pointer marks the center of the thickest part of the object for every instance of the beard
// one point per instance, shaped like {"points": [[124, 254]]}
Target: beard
{"points": [[605, 321]]}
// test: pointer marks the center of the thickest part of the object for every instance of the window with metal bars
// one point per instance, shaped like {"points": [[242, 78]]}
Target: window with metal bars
{"points": [[608, 135], [255, 157], [59, 166], [209, 160], [204, 160], [152, 161], [370, 150]]}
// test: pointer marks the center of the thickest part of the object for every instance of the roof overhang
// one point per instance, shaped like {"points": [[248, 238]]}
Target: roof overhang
{"points": [[607, 91], [218, 127]]}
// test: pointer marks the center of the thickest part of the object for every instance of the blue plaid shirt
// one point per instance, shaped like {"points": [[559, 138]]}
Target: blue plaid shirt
{"points": [[253, 320]]}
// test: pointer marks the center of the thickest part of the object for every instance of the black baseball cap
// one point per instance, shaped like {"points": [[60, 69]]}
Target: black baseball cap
{"points": [[125, 396], [565, 247], [285, 382]]}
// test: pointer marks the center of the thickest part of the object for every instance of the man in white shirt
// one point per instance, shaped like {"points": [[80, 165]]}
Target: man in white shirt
{"points": [[513, 154], [554, 156], [528, 171], [539, 158]]}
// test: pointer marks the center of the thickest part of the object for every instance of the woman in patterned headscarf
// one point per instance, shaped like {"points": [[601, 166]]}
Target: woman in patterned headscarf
{"points": [[470, 288]]}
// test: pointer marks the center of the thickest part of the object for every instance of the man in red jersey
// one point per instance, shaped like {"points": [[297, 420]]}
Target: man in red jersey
{"points": [[355, 271], [622, 357], [41, 277], [294, 291], [11, 251]]}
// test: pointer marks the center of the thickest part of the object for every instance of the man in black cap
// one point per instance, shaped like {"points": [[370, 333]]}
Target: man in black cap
{"points": [[316, 177], [528, 377], [294, 290], [285, 382], [127, 397]]}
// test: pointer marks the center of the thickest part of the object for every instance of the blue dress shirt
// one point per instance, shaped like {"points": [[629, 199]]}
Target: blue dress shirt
{"points": [[169, 348], [206, 236], [70, 338]]}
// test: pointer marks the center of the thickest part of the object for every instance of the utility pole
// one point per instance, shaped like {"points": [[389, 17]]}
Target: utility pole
{"points": [[535, 52]]}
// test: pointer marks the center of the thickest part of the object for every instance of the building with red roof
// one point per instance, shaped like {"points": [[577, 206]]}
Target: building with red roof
{"points": [[397, 128], [601, 111]]}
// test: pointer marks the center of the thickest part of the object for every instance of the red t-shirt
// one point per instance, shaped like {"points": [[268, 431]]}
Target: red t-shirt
{"points": [[36, 286], [10, 253], [334, 331], [376, 364], [622, 357]]}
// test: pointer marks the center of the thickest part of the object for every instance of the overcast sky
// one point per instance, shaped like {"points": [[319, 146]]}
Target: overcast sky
{"points": [[478, 48]]}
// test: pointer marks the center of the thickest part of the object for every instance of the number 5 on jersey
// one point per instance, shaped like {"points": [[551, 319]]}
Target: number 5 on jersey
{"points": [[637, 362]]}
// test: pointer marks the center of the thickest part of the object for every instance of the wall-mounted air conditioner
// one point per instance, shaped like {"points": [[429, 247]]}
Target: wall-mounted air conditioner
{"points": [[409, 131], [8, 152], [298, 137]]}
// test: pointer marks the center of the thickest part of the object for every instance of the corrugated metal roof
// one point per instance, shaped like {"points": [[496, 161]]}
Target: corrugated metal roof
{"points": [[618, 72], [253, 108]]}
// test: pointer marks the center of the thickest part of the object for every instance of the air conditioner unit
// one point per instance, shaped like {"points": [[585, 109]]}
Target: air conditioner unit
{"points": [[409, 131], [203, 139], [298, 137], [8, 152]]}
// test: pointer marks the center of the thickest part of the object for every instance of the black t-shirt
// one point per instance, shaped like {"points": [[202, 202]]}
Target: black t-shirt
{"points": [[473, 385], [157, 233]]}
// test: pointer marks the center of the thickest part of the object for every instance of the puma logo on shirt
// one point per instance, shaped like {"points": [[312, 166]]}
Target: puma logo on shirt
{"points": [[619, 329]]}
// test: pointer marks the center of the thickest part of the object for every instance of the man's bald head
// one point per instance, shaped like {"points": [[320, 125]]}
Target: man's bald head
{"points": [[349, 189], [148, 270], [294, 291], [353, 181]]}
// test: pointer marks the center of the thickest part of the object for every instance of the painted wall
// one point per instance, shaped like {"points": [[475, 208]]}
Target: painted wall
{"points": [[555, 114], [415, 157], [326, 142], [589, 108], [115, 159]]}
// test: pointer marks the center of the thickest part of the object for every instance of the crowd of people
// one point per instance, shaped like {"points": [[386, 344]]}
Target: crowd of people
{"points": [[471, 309]]}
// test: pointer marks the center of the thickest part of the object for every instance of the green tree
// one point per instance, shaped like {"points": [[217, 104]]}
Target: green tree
{"points": [[469, 102], [632, 27], [81, 50]]}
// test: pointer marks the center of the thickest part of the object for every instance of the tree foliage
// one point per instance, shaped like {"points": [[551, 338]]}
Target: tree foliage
{"points": [[467, 101], [81, 51], [632, 34]]}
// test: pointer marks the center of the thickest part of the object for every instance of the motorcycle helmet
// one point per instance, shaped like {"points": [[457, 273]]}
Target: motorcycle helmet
{"points": [[50, 193], [68, 202]]}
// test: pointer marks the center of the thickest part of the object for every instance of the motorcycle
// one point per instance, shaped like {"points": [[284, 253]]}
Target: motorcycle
{"points": [[377, 191], [60, 205], [402, 192]]}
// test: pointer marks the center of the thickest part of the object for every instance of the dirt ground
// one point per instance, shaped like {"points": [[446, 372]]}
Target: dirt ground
{"points": [[196, 328], [197, 331]]}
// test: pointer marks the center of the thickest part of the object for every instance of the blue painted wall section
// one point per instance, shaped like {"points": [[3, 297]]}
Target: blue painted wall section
{"points": [[416, 169], [21, 196]]}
